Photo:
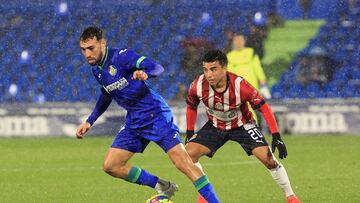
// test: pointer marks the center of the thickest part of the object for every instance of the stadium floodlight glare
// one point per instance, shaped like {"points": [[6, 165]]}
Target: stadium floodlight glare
{"points": [[13, 89], [259, 18], [63, 7], [206, 19], [25, 55]]}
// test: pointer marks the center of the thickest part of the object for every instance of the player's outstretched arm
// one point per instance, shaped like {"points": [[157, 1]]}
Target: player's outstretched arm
{"points": [[277, 142], [102, 104], [82, 130]]}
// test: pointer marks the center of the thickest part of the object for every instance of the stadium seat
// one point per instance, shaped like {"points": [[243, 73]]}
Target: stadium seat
{"points": [[153, 30], [341, 37]]}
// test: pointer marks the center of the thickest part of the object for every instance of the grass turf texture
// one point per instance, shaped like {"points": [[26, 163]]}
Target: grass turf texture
{"points": [[321, 169]]}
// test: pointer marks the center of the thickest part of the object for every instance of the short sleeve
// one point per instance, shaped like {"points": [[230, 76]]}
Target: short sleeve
{"points": [[250, 94], [127, 58]]}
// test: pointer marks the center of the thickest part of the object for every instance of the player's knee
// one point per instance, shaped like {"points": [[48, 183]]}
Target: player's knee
{"points": [[113, 169], [271, 164], [108, 167]]}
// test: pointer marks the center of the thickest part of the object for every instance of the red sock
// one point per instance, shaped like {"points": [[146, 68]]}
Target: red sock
{"points": [[201, 199]]}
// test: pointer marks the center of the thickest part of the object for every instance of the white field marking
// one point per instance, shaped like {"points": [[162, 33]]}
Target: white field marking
{"points": [[83, 168]]}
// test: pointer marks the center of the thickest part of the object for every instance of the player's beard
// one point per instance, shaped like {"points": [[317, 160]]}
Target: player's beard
{"points": [[99, 60]]}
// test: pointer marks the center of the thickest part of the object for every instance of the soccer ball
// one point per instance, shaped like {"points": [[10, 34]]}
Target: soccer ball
{"points": [[159, 199]]}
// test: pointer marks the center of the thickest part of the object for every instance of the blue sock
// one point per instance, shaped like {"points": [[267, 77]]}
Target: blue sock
{"points": [[141, 177], [204, 187]]}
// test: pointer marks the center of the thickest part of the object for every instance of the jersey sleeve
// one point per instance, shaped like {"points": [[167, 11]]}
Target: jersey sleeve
{"points": [[131, 60], [192, 99], [269, 118], [250, 94], [191, 115], [101, 105]]}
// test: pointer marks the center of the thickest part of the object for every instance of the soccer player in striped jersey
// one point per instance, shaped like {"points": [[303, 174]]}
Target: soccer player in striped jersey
{"points": [[122, 75], [226, 97]]}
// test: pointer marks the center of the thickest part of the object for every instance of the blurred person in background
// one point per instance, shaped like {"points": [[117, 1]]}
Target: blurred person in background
{"points": [[273, 18], [122, 75], [305, 6], [229, 36], [243, 61], [227, 97], [256, 38], [193, 48], [258, 34], [315, 67]]}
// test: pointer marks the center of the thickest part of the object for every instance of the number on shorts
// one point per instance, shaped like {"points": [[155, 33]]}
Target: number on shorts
{"points": [[256, 135]]}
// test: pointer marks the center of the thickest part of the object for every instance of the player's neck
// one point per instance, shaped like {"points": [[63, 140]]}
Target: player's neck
{"points": [[104, 57], [221, 86]]}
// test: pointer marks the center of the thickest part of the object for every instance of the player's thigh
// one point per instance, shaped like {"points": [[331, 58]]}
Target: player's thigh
{"points": [[248, 137], [196, 150], [208, 138]]}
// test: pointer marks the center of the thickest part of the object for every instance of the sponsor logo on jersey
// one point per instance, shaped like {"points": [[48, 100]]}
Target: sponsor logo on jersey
{"points": [[112, 70], [224, 116], [118, 85]]}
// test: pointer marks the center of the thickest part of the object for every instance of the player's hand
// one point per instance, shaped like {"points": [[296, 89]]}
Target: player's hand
{"points": [[278, 143], [82, 129], [189, 134], [264, 90], [140, 75]]}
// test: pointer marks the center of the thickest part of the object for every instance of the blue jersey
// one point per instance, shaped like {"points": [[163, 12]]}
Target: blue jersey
{"points": [[141, 102]]}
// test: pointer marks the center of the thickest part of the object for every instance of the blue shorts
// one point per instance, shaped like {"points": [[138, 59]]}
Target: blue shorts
{"points": [[162, 131]]}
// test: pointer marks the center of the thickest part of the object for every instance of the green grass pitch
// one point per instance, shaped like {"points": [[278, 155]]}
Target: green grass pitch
{"points": [[321, 169]]}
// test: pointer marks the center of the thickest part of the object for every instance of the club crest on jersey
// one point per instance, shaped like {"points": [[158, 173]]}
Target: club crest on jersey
{"points": [[219, 106], [112, 70]]}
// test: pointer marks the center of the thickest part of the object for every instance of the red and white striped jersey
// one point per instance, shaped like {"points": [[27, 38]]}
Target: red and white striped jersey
{"points": [[229, 109]]}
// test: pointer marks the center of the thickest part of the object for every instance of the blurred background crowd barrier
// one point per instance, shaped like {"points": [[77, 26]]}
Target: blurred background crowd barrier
{"points": [[295, 118]]}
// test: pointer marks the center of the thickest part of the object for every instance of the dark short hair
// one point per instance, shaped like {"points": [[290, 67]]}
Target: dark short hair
{"points": [[91, 32], [215, 55]]}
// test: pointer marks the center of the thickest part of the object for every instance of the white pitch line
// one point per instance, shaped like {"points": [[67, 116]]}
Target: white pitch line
{"points": [[79, 168]]}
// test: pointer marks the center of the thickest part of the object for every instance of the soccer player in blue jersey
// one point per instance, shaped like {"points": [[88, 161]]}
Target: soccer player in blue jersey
{"points": [[122, 74]]}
